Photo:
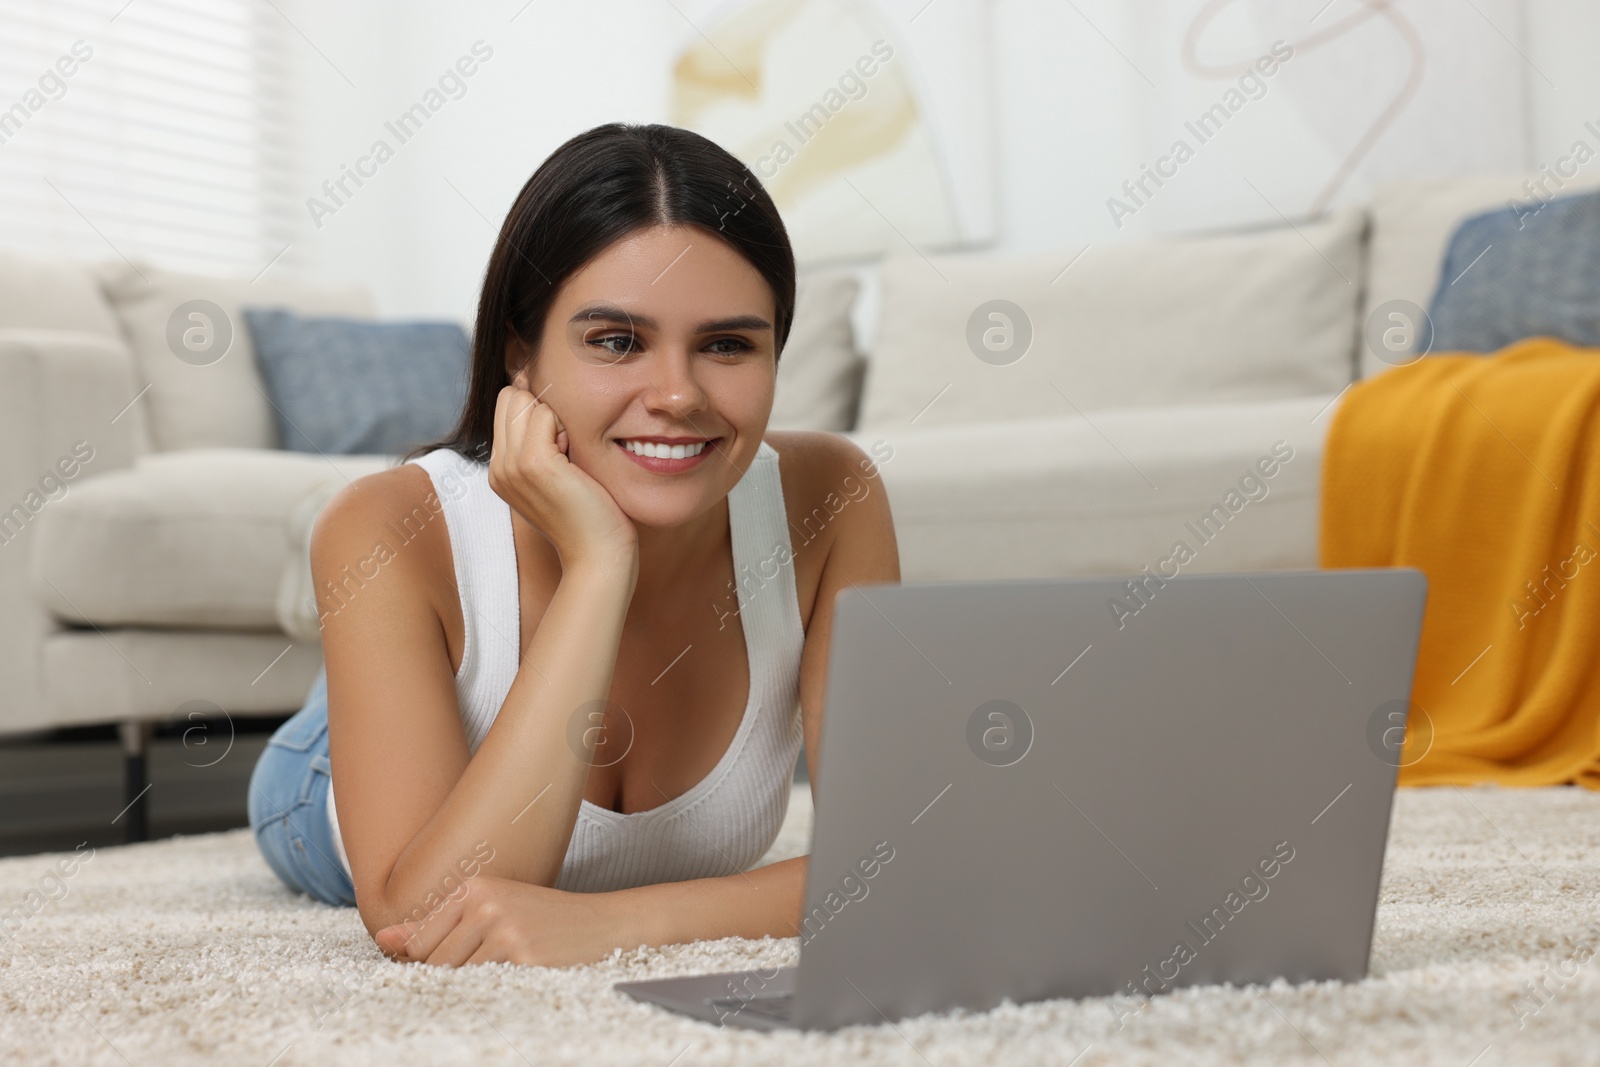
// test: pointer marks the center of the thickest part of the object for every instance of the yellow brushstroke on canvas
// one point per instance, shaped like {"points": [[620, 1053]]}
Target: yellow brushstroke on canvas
{"points": [[729, 63]]}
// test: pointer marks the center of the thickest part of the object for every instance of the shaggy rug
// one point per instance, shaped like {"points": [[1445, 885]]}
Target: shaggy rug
{"points": [[189, 951]]}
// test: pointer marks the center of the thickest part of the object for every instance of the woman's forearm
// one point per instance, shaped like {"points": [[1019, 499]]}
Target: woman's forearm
{"points": [[758, 903], [521, 791]]}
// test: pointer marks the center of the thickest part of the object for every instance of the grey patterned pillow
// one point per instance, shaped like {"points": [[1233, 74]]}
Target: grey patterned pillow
{"points": [[1518, 272], [348, 386]]}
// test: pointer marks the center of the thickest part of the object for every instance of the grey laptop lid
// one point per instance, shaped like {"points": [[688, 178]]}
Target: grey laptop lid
{"points": [[1085, 787], [1088, 787]]}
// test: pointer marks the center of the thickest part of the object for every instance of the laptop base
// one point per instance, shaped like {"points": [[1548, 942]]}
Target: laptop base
{"points": [[753, 1000]]}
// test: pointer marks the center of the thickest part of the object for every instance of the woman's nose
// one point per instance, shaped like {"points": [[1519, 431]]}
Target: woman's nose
{"points": [[675, 389]]}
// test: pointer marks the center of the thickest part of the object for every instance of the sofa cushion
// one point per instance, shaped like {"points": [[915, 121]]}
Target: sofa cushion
{"points": [[1109, 494], [187, 539], [190, 342], [1240, 317], [164, 675], [36, 295], [1205, 319], [344, 387], [819, 373], [1412, 223]]}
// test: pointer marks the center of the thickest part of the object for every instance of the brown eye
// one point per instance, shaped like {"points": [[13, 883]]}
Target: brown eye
{"points": [[616, 344], [739, 345]]}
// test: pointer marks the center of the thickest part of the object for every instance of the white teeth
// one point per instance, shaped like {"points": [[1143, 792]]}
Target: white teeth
{"points": [[652, 450]]}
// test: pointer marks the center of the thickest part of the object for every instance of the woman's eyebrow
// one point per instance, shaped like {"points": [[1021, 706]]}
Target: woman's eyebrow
{"points": [[738, 322], [612, 313]]}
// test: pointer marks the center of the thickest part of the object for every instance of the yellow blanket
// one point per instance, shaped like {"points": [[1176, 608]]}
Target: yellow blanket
{"points": [[1484, 473]]}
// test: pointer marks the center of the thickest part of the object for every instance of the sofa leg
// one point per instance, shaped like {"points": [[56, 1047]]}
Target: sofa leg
{"points": [[135, 744]]}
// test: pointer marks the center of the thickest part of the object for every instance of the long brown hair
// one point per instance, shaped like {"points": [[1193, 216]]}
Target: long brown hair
{"points": [[599, 187]]}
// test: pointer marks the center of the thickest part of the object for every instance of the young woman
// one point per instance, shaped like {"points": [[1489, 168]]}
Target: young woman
{"points": [[564, 647]]}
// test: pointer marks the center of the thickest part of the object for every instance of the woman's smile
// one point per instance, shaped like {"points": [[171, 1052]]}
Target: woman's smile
{"points": [[667, 455]]}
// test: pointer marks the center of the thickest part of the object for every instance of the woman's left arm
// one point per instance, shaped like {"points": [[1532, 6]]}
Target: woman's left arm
{"points": [[530, 924]]}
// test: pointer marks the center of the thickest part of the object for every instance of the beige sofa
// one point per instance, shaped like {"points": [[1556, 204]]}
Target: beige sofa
{"points": [[153, 535]]}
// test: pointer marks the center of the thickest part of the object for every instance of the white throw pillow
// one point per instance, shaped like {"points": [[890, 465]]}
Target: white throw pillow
{"points": [[208, 398], [1412, 223], [1252, 316], [819, 374], [38, 295]]}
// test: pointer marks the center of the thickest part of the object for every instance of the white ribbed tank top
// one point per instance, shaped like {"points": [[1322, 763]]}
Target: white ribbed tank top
{"points": [[727, 820]]}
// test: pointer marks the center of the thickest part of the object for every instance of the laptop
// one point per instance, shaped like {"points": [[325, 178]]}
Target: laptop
{"points": [[1091, 787]]}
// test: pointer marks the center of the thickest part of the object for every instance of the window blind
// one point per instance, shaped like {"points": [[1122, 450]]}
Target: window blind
{"points": [[155, 131]]}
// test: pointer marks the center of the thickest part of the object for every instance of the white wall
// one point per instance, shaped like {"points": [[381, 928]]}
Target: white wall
{"points": [[1074, 117], [1562, 39], [417, 232]]}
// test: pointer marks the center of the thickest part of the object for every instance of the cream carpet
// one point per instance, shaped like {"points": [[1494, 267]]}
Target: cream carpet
{"points": [[189, 951]]}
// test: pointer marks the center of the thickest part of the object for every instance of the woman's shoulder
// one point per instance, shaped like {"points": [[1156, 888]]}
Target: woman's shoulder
{"points": [[838, 511], [819, 456], [385, 494], [392, 518], [822, 473]]}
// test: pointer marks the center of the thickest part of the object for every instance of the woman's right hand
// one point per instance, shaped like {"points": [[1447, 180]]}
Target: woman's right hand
{"points": [[529, 469]]}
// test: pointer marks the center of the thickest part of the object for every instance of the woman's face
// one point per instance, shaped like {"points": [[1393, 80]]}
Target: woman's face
{"points": [[658, 357]]}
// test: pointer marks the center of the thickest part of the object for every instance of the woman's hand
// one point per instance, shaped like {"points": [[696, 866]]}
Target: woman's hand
{"points": [[499, 920], [529, 469]]}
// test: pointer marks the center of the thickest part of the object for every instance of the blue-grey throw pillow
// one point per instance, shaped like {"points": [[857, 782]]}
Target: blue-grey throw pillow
{"points": [[343, 386], [1525, 270]]}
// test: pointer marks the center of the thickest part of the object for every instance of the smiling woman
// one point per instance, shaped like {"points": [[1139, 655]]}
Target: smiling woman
{"points": [[544, 746]]}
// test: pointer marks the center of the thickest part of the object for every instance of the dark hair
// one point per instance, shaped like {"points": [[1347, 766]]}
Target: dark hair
{"points": [[597, 188]]}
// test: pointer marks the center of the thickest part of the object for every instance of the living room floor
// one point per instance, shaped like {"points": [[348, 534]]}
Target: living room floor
{"points": [[188, 950], [63, 787]]}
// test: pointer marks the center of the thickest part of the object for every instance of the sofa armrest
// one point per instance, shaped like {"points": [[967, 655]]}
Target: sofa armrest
{"points": [[297, 593], [66, 413]]}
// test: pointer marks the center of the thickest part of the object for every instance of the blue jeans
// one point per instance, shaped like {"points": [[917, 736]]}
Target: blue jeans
{"points": [[288, 804]]}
